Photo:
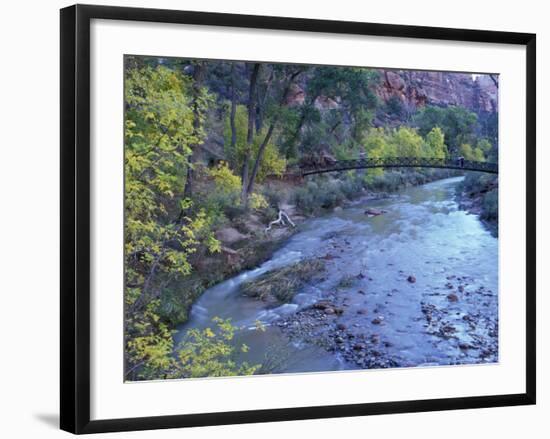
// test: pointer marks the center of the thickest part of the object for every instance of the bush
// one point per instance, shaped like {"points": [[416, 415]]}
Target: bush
{"points": [[351, 186], [211, 352], [273, 196], [305, 197], [490, 206], [387, 182], [324, 194], [258, 202]]}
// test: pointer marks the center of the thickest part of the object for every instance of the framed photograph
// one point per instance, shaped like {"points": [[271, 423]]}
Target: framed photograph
{"points": [[268, 218]]}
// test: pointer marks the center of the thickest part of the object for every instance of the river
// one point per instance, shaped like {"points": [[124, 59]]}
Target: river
{"points": [[415, 286]]}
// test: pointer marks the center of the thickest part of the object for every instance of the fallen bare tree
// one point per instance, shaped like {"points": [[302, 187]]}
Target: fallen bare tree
{"points": [[283, 219]]}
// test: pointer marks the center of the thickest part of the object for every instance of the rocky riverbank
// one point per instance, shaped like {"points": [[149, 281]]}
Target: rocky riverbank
{"points": [[356, 333], [478, 195]]}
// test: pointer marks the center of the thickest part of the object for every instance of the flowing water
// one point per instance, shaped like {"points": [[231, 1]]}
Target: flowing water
{"points": [[417, 285]]}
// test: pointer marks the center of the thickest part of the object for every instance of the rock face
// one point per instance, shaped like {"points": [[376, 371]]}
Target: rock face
{"points": [[415, 89]]}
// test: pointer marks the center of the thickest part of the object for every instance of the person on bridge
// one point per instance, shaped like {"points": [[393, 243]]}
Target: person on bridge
{"points": [[461, 161]]}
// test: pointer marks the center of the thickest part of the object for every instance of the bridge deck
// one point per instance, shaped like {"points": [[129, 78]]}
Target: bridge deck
{"points": [[401, 162]]}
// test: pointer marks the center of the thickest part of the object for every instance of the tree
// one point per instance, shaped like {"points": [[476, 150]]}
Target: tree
{"points": [[199, 96], [469, 153], [457, 123], [406, 142], [272, 161], [161, 231], [233, 106], [351, 89], [252, 97], [210, 353], [435, 144], [289, 75]]}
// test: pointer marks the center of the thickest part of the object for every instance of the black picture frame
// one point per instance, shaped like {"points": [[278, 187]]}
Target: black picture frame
{"points": [[75, 217]]}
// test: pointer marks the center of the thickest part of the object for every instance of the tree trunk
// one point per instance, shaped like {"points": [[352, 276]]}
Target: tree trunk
{"points": [[258, 161], [267, 137], [198, 77], [233, 108], [250, 134], [262, 98], [310, 103]]}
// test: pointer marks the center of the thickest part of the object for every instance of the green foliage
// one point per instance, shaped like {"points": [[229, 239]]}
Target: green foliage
{"points": [[226, 191], [177, 118], [406, 142], [469, 153], [457, 123], [394, 106], [273, 163], [435, 144], [158, 135], [162, 231], [148, 344], [326, 193], [352, 85], [258, 201], [211, 352], [224, 179], [485, 146], [377, 143], [345, 151], [392, 181], [490, 206]]}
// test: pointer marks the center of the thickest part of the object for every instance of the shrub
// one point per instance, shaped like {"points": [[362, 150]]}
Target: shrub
{"points": [[257, 202], [490, 206], [273, 196], [211, 352], [305, 197]]}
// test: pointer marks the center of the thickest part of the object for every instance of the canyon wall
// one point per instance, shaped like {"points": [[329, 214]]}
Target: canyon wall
{"points": [[415, 89]]}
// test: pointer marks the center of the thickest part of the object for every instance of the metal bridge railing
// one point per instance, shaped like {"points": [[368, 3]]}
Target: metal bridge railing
{"points": [[401, 162]]}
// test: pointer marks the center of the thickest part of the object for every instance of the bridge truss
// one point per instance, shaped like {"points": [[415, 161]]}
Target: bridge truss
{"points": [[400, 162]]}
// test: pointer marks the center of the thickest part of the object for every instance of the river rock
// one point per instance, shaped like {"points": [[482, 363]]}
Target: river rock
{"points": [[452, 297], [374, 212], [411, 279], [322, 305]]}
